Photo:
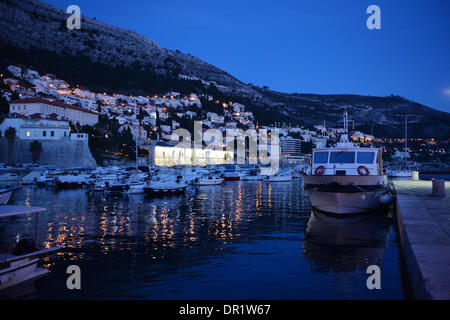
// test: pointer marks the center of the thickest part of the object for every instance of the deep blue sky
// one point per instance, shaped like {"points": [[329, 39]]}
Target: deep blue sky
{"points": [[314, 46]]}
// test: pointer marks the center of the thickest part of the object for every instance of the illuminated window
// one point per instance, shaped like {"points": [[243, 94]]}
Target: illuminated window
{"points": [[28, 133]]}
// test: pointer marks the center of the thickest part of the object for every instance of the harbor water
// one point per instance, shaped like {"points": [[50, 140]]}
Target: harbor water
{"points": [[239, 240]]}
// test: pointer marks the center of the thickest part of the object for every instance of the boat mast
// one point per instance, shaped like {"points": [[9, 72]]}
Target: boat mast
{"points": [[138, 134], [406, 133], [345, 121]]}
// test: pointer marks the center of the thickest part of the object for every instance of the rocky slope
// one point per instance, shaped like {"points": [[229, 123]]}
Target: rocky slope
{"points": [[36, 24]]}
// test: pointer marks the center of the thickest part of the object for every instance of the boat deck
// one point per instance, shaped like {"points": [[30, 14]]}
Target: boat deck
{"points": [[7, 210], [424, 227]]}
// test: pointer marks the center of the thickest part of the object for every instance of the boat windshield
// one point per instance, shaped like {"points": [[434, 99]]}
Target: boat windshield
{"points": [[342, 157], [366, 157], [321, 157]]}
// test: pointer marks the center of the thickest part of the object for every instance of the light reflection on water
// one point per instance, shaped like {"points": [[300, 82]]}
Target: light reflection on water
{"points": [[239, 240]]}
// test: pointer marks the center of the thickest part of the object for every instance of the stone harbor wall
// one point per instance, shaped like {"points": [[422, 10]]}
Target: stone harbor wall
{"points": [[65, 152]]}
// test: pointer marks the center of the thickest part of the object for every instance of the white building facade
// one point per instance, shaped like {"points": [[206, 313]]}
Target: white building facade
{"points": [[37, 129], [75, 114]]}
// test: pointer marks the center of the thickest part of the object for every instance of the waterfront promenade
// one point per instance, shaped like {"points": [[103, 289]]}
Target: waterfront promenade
{"points": [[424, 229]]}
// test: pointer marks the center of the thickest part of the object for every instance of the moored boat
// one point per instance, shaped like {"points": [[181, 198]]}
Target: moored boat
{"points": [[69, 182], [163, 188], [208, 181], [346, 178], [9, 177], [21, 264], [134, 188], [284, 177]]}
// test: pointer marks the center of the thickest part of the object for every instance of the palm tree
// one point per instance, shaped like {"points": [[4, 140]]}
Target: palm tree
{"points": [[35, 149], [10, 135]]}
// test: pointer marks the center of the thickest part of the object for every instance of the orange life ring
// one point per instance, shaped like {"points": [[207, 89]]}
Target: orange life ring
{"points": [[363, 171], [320, 170]]}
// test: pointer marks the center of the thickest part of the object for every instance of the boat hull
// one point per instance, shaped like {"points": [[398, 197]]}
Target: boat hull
{"points": [[156, 192], [19, 272], [116, 188], [232, 178], [280, 178], [345, 203], [208, 183], [68, 185], [400, 174]]}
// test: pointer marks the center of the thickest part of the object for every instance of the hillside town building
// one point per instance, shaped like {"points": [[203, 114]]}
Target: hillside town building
{"points": [[29, 106]]}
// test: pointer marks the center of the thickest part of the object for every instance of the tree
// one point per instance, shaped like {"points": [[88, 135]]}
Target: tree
{"points": [[10, 135], [35, 149]]}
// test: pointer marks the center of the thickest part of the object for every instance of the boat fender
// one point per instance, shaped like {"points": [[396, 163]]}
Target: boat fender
{"points": [[363, 171], [320, 170]]}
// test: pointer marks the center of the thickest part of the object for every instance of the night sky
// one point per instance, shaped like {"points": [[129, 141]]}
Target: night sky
{"points": [[316, 46]]}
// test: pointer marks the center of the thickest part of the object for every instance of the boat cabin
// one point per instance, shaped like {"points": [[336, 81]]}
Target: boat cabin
{"points": [[353, 161]]}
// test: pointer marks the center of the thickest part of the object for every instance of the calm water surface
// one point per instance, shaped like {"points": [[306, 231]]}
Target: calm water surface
{"points": [[241, 240]]}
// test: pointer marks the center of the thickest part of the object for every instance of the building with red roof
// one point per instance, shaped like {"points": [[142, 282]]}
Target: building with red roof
{"points": [[29, 106]]}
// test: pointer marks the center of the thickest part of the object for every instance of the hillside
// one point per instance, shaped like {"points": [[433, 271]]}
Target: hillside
{"points": [[106, 58]]}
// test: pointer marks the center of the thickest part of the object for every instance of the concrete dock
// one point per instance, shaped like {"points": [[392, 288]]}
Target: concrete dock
{"points": [[424, 228]]}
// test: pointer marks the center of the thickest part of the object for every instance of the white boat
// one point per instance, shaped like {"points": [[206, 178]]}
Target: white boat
{"points": [[45, 179], [208, 181], [164, 187], [252, 174], [399, 173], [9, 177], [134, 188], [402, 168], [346, 178], [284, 177], [70, 181], [21, 264]]}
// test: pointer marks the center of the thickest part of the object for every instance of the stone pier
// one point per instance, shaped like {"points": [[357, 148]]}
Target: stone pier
{"points": [[424, 228]]}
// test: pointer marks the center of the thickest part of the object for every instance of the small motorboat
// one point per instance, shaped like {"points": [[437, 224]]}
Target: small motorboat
{"points": [[69, 182], [9, 177], [208, 181], [134, 188], [116, 186], [45, 179], [252, 175], [163, 188], [21, 264], [399, 173]]}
